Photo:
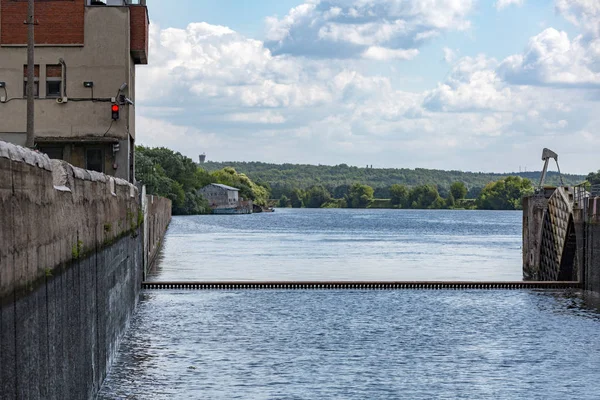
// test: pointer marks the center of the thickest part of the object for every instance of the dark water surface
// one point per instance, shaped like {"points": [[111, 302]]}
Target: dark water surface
{"points": [[405, 344]]}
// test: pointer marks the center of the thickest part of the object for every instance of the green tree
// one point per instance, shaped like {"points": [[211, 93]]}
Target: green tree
{"points": [[474, 192], [284, 201], [594, 178], [178, 182], [296, 198], [175, 176], [450, 201], [341, 191], [399, 195], [458, 190], [505, 194], [248, 189], [425, 196], [316, 196], [283, 178], [360, 196]]}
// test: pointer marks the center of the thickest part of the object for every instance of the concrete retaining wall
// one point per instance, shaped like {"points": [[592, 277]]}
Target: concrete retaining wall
{"points": [[591, 270], [533, 215], [586, 224], [156, 222], [71, 256]]}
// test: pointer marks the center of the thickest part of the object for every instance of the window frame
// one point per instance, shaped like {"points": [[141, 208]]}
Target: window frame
{"points": [[102, 160], [53, 80], [52, 151]]}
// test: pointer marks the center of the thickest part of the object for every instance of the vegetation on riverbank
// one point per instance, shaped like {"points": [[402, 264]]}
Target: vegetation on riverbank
{"points": [[283, 178], [172, 175], [503, 194], [175, 176]]}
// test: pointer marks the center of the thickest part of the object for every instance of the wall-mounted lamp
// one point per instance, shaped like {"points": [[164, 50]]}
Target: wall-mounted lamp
{"points": [[2, 84], [88, 84]]}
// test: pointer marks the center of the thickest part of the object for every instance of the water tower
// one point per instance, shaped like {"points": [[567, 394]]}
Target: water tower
{"points": [[202, 158]]}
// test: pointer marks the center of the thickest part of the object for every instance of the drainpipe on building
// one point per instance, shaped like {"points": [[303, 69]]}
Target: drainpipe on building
{"points": [[63, 77], [30, 75]]}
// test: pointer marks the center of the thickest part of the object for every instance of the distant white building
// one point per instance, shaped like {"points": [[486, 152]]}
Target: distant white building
{"points": [[221, 196], [225, 199]]}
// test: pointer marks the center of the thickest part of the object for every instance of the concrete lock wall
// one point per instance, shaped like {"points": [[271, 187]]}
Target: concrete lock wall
{"points": [[591, 270], [157, 216], [71, 265]]}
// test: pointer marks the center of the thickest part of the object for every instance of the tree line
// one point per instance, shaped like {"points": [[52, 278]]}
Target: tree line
{"points": [[283, 178], [170, 174], [503, 194]]}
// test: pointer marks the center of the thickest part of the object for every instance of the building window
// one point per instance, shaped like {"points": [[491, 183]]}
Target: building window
{"points": [[36, 83], [56, 153], [94, 160], [53, 81], [53, 88]]}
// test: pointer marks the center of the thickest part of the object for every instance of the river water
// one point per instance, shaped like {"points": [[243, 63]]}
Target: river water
{"points": [[406, 344]]}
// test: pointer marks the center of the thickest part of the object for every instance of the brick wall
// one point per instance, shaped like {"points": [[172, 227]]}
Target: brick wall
{"points": [[139, 33], [59, 22]]}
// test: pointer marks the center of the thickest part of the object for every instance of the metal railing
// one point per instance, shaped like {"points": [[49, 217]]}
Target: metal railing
{"points": [[580, 193], [358, 285]]}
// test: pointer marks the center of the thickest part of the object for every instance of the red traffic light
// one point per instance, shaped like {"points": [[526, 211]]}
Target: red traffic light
{"points": [[115, 111]]}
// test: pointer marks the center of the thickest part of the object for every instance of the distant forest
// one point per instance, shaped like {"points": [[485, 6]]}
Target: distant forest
{"points": [[284, 178]]}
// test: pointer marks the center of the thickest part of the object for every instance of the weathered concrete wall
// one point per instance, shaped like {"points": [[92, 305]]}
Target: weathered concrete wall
{"points": [[157, 216], [533, 215], [591, 246], [70, 272], [586, 232]]}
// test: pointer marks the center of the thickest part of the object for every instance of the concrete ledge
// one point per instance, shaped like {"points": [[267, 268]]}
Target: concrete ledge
{"points": [[22, 154]]}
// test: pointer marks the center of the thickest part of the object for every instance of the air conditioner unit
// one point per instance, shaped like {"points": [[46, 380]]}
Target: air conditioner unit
{"points": [[62, 100]]}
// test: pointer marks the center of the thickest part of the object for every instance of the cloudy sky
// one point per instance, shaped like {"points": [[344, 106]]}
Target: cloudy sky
{"points": [[478, 85]]}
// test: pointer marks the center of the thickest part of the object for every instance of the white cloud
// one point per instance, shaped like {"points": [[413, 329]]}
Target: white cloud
{"points": [[215, 63], [551, 58], [472, 85], [264, 117], [582, 13], [351, 28], [236, 98], [562, 124], [160, 133], [501, 4], [449, 55], [383, 54]]}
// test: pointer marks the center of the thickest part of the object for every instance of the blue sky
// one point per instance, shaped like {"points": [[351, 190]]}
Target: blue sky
{"points": [[450, 84]]}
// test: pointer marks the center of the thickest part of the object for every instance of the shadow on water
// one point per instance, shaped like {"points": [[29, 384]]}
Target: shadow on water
{"points": [[574, 302], [156, 267]]}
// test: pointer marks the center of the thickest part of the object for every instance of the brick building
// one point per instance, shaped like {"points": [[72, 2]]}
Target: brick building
{"points": [[85, 57]]}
